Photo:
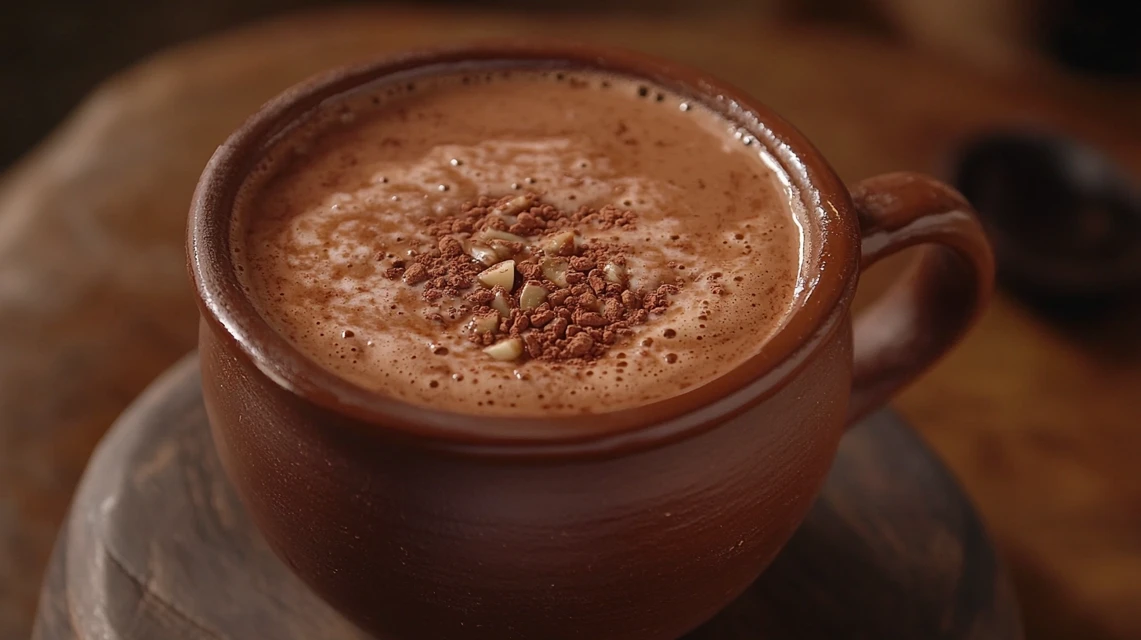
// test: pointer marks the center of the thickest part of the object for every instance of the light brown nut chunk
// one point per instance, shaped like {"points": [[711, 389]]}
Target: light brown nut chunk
{"points": [[559, 243], [555, 270], [486, 323], [615, 273], [500, 275], [488, 235], [509, 349], [500, 304], [531, 296], [514, 205], [483, 254], [505, 249]]}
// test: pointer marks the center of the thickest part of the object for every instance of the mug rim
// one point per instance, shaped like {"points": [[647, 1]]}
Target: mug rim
{"points": [[817, 312]]}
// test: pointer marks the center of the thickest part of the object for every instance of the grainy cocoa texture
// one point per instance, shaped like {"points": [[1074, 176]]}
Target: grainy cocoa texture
{"points": [[580, 319]]}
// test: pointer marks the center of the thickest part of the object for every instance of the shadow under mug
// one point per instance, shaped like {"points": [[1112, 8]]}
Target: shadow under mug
{"points": [[634, 525]]}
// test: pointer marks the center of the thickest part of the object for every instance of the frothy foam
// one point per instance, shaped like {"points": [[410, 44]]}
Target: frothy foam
{"points": [[347, 194]]}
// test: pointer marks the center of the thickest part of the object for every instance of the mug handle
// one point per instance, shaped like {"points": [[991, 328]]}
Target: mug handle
{"points": [[935, 301]]}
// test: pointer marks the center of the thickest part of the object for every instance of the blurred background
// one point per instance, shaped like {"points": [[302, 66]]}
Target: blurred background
{"points": [[1031, 107], [55, 51]]}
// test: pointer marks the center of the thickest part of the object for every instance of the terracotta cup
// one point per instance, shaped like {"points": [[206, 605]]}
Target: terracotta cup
{"points": [[637, 524]]}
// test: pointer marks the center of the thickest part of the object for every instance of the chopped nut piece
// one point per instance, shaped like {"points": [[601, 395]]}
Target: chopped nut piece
{"points": [[483, 254], [615, 273], [495, 234], [508, 349], [555, 270], [505, 249], [533, 281], [531, 296], [500, 304], [486, 323], [514, 205], [559, 243], [500, 275]]}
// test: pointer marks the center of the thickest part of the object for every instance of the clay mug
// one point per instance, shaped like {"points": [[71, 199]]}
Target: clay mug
{"points": [[636, 524]]}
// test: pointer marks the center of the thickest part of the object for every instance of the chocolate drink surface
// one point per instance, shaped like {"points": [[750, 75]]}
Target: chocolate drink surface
{"points": [[520, 243]]}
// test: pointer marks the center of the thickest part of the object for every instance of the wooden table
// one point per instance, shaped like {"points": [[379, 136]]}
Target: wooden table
{"points": [[1038, 421], [157, 545]]}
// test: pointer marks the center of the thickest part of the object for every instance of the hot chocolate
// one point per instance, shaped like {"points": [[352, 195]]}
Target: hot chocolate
{"points": [[521, 242]]}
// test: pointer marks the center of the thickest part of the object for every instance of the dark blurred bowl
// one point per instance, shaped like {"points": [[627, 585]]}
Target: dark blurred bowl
{"points": [[1064, 220]]}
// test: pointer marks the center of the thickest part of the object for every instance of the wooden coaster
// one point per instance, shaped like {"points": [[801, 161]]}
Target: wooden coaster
{"points": [[158, 546]]}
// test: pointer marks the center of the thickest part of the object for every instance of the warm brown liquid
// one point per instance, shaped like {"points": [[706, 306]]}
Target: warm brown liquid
{"points": [[357, 184]]}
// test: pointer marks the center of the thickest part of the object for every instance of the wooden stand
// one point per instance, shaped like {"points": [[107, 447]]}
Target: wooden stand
{"points": [[158, 546]]}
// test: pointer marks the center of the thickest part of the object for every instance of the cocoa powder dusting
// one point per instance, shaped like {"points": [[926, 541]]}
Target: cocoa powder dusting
{"points": [[588, 305]]}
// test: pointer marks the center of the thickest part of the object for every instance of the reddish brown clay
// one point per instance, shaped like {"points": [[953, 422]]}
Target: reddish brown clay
{"points": [[632, 525]]}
